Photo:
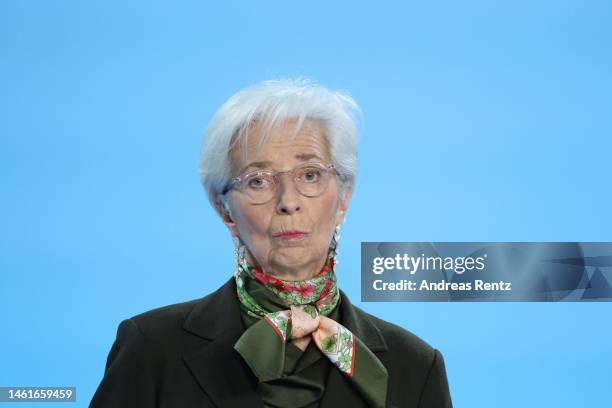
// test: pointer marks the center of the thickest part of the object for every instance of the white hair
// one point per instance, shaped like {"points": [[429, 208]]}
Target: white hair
{"points": [[270, 103]]}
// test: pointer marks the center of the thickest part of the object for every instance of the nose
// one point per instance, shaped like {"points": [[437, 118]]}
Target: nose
{"points": [[288, 198]]}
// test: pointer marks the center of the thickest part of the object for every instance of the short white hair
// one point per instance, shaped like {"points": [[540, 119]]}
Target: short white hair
{"points": [[270, 103]]}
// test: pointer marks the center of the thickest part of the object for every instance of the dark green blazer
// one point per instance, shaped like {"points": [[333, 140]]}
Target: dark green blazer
{"points": [[182, 356]]}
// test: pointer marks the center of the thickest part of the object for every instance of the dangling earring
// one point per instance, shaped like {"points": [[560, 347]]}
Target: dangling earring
{"points": [[239, 251], [334, 245]]}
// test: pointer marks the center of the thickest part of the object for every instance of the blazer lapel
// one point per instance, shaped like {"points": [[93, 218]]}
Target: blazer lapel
{"points": [[339, 392], [220, 371]]}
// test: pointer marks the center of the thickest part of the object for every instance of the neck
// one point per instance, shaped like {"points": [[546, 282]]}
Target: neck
{"points": [[288, 273]]}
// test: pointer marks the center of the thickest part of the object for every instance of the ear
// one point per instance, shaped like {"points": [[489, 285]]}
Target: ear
{"points": [[223, 209], [345, 199]]}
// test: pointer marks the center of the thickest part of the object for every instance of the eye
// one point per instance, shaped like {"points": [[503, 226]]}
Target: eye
{"points": [[257, 182], [311, 175]]}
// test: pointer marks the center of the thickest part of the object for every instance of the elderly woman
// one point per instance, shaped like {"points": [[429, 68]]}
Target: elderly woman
{"points": [[278, 163]]}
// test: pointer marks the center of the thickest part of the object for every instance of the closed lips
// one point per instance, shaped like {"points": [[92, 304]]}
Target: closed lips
{"points": [[290, 234]]}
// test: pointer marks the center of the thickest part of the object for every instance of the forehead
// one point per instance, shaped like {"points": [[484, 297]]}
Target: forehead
{"points": [[278, 145]]}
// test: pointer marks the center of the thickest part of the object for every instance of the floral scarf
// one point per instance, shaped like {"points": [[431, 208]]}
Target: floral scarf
{"points": [[309, 302]]}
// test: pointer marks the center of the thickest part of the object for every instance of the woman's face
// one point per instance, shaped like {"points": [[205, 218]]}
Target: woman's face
{"points": [[289, 235]]}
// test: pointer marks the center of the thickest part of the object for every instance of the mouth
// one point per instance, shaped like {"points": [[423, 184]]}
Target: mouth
{"points": [[291, 235]]}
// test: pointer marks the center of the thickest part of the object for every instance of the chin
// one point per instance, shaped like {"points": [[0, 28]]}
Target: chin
{"points": [[294, 258]]}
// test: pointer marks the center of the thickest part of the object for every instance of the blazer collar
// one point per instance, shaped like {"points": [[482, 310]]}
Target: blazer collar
{"points": [[222, 372]]}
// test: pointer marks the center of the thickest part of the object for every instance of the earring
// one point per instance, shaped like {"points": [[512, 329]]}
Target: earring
{"points": [[239, 251], [334, 245], [336, 237]]}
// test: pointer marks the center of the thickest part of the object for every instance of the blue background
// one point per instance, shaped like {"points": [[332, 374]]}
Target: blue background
{"points": [[484, 121]]}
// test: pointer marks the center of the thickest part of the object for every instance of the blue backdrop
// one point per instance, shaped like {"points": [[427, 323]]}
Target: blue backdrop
{"points": [[483, 122]]}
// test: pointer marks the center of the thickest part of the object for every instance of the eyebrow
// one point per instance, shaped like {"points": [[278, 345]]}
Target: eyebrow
{"points": [[307, 156], [265, 164]]}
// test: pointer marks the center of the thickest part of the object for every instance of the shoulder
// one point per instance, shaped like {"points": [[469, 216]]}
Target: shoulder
{"points": [[163, 327], [415, 367], [169, 317], [146, 353], [167, 327], [398, 337], [405, 347]]}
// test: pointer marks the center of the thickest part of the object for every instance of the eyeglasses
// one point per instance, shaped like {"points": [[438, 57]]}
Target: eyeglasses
{"points": [[310, 179]]}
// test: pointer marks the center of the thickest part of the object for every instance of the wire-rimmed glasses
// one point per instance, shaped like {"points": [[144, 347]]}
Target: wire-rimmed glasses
{"points": [[310, 180]]}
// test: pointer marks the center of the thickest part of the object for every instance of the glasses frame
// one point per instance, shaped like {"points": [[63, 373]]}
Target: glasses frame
{"points": [[237, 182]]}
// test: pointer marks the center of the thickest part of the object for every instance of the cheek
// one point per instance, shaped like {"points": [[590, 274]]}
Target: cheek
{"points": [[252, 221], [326, 211]]}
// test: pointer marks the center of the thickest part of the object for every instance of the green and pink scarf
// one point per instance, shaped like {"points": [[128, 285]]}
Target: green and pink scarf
{"points": [[309, 302]]}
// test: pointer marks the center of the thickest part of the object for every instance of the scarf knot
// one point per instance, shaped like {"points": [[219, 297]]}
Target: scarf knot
{"points": [[308, 303], [295, 324]]}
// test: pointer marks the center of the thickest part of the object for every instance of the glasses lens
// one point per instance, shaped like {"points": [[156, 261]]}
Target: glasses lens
{"points": [[311, 180], [259, 186]]}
